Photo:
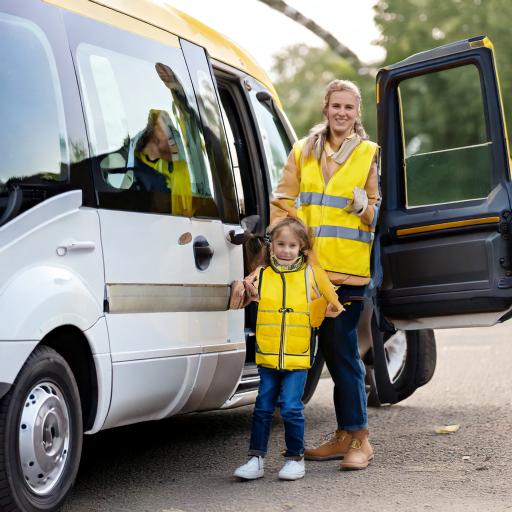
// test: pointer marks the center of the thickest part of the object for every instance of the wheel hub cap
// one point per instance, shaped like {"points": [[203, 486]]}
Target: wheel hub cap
{"points": [[43, 437]]}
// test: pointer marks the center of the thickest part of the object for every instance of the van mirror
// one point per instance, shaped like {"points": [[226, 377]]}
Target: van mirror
{"points": [[249, 226]]}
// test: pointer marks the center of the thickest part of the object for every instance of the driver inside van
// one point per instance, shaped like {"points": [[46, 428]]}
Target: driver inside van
{"points": [[160, 163]]}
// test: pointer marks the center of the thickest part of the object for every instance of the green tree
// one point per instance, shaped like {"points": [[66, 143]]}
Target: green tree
{"points": [[303, 72], [411, 26]]}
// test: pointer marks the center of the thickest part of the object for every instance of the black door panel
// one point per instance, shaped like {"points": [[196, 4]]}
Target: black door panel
{"points": [[446, 186]]}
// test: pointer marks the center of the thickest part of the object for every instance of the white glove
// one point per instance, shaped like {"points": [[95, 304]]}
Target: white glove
{"points": [[360, 201]]}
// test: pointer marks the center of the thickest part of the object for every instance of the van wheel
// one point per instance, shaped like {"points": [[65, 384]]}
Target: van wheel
{"points": [[40, 434], [411, 360]]}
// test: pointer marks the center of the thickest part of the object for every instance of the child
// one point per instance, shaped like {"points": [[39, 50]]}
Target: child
{"points": [[284, 289]]}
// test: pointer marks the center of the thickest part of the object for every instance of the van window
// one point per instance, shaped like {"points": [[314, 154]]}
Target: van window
{"points": [[213, 129], [145, 132], [276, 143], [32, 129], [447, 150]]}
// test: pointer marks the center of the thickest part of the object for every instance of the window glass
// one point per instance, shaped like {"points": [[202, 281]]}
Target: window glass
{"points": [[234, 158], [216, 142], [447, 151], [276, 144], [145, 132], [32, 129]]}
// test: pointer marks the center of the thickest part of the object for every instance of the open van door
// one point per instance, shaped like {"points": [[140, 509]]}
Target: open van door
{"points": [[445, 222]]}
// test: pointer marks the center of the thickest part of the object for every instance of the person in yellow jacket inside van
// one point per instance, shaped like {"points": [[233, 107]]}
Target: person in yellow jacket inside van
{"points": [[284, 289], [161, 164], [330, 181]]}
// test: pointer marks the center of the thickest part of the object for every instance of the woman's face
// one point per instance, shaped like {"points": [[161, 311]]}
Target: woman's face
{"points": [[341, 112], [285, 246], [164, 143]]}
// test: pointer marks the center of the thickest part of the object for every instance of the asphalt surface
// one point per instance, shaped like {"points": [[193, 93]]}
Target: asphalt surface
{"points": [[185, 464]]}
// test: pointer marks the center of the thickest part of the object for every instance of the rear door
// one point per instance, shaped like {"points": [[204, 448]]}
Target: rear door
{"points": [[446, 189]]}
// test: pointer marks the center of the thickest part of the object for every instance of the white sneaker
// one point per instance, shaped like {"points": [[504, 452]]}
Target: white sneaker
{"points": [[251, 470], [293, 470]]}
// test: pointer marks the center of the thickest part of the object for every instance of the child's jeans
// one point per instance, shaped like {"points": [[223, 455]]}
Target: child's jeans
{"points": [[285, 389]]}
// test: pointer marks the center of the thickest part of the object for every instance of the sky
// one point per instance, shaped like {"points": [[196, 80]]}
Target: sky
{"points": [[263, 32]]}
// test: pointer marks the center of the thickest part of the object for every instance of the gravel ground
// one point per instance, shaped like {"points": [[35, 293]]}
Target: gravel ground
{"points": [[185, 464]]}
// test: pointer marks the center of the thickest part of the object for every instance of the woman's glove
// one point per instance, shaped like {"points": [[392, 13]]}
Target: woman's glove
{"points": [[360, 201]]}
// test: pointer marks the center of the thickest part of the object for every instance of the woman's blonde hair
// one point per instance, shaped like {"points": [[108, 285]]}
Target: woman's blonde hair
{"points": [[317, 137]]}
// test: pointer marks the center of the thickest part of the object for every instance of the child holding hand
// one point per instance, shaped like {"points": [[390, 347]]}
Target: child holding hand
{"points": [[294, 295]]}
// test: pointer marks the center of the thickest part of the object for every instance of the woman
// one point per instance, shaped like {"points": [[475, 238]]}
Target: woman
{"points": [[332, 177]]}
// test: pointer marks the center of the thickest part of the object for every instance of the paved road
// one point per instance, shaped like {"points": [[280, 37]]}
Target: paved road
{"points": [[185, 464]]}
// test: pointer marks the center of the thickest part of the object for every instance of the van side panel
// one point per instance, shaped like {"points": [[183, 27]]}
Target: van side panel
{"points": [[41, 289], [97, 336]]}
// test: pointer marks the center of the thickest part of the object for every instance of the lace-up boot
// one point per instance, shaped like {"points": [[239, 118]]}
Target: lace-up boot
{"points": [[360, 452], [335, 447]]}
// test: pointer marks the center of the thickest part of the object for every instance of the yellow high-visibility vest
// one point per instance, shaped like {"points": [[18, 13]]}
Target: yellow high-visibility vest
{"points": [[342, 242], [177, 181], [283, 331]]}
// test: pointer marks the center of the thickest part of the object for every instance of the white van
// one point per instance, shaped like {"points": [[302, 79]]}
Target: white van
{"points": [[135, 144]]}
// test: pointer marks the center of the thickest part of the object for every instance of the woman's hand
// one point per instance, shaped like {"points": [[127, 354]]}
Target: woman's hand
{"points": [[333, 310]]}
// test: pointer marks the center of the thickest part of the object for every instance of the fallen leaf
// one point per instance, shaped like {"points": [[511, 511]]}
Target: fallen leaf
{"points": [[447, 429]]}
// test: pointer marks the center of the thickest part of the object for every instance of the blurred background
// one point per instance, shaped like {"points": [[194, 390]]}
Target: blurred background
{"points": [[353, 40]]}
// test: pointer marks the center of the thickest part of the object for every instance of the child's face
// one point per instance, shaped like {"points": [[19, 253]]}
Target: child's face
{"points": [[285, 246]]}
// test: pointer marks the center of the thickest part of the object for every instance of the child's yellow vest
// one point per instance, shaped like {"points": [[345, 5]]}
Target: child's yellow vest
{"points": [[283, 330]]}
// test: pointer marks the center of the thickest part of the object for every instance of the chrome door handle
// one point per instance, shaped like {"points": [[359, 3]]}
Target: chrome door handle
{"points": [[75, 245]]}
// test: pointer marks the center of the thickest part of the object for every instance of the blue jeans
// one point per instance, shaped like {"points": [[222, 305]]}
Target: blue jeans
{"points": [[338, 344], [283, 388]]}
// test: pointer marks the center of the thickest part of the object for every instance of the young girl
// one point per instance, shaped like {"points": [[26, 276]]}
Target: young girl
{"points": [[284, 288]]}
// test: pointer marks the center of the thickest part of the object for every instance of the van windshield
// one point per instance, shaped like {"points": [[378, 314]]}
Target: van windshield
{"points": [[32, 140]]}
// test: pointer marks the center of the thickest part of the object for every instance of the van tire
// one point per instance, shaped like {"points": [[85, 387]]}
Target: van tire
{"points": [[418, 367], [44, 388], [314, 374]]}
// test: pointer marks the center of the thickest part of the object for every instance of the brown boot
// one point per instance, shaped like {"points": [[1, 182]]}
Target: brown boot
{"points": [[334, 448], [360, 451]]}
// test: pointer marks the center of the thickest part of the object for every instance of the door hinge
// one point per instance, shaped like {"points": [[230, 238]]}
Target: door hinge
{"points": [[505, 229]]}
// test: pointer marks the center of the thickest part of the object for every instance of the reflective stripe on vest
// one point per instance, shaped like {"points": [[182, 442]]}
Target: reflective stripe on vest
{"points": [[319, 199], [342, 241], [348, 233]]}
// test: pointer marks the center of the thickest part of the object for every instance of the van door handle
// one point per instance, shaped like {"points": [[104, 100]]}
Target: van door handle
{"points": [[75, 245], [203, 252]]}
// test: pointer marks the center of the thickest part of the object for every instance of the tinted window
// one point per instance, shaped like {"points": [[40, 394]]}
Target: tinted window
{"points": [[144, 127], [216, 142], [447, 152], [32, 129]]}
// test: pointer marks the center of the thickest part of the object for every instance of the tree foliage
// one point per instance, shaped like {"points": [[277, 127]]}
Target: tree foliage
{"points": [[411, 26], [303, 72]]}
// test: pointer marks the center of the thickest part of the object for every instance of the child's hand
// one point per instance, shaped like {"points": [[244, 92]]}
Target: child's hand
{"points": [[251, 288], [237, 296], [333, 310]]}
